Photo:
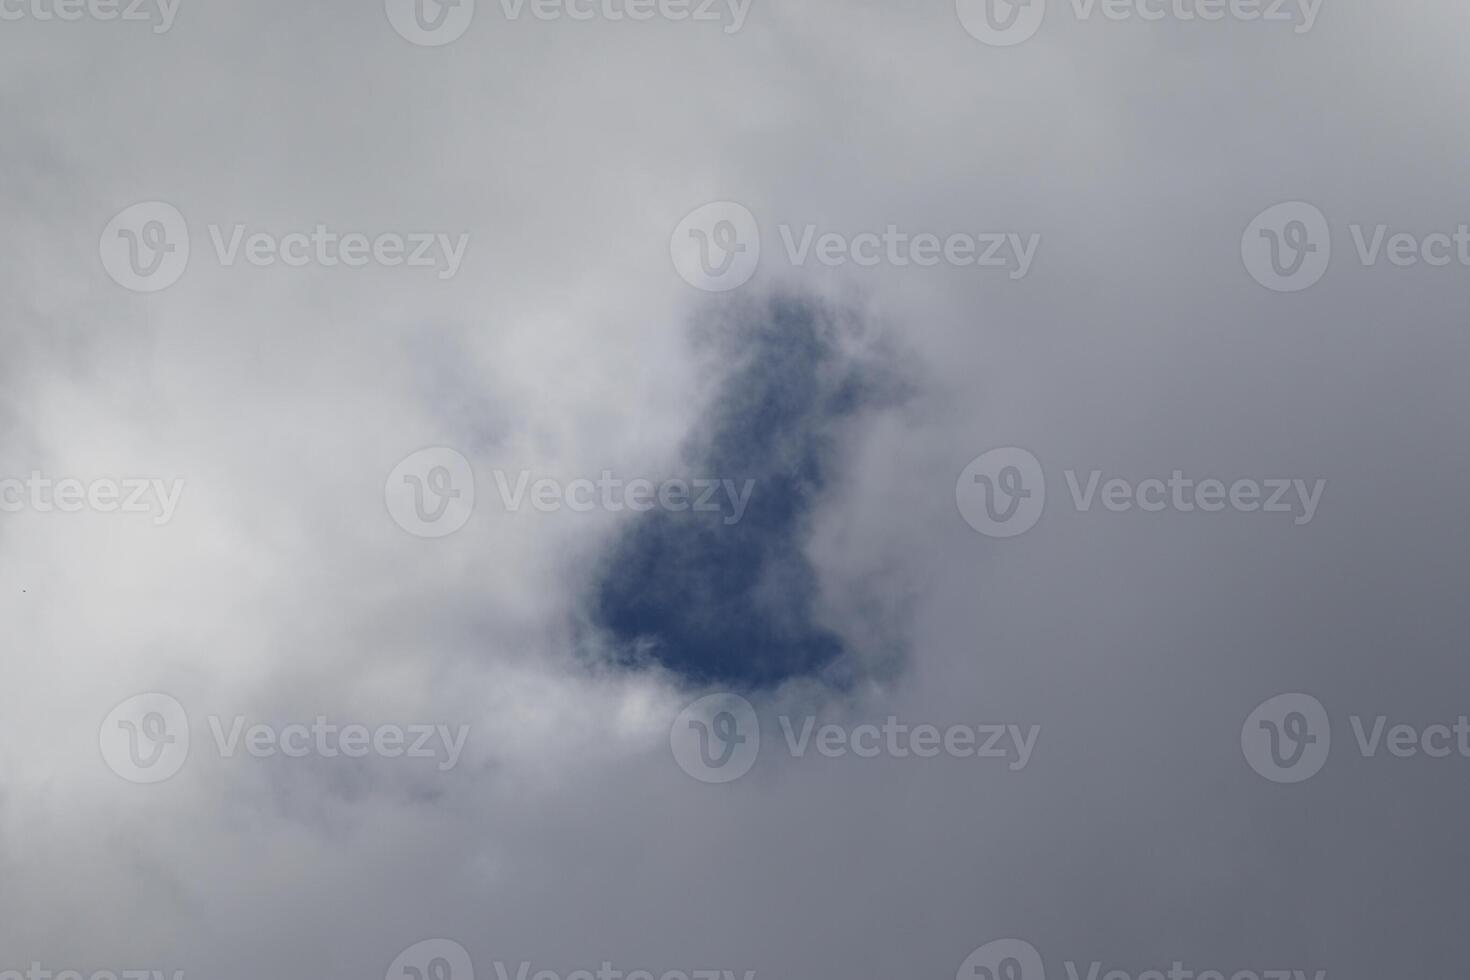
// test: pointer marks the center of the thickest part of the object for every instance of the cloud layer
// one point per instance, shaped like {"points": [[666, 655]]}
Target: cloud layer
{"points": [[852, 590]]}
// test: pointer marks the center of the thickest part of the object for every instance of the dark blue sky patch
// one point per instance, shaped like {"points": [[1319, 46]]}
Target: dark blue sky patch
{"points": [[716, 602]]}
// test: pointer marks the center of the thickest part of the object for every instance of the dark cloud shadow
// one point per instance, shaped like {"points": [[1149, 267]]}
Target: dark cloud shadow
{"points": [[721, 601]]}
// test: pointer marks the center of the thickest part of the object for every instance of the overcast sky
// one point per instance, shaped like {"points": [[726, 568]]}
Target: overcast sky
{"points": [[267, 473]]}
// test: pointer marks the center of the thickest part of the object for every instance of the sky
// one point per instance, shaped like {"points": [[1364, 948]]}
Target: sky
{"points": [[733, 491]]}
